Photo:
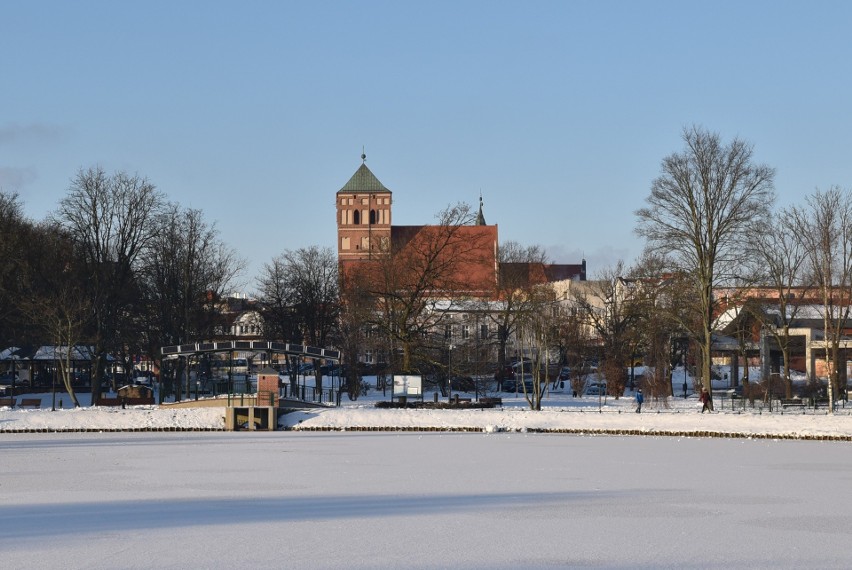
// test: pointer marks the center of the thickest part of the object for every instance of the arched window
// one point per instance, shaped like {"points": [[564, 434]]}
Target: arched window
{"points": [[356, 218], [372, 216]]}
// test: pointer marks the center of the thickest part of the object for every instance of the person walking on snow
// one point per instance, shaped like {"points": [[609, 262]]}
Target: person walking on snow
{"points": [[639, 399], [705, 400]]}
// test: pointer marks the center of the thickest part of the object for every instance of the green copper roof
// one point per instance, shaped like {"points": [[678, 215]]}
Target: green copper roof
{"points": [[363, 181]]}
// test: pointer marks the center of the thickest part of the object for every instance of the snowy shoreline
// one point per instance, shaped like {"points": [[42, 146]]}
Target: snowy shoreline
{"points": [[561, 413], [617, 419]]}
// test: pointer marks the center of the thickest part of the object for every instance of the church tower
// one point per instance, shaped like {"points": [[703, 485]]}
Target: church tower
{"points": [[363, 216]]}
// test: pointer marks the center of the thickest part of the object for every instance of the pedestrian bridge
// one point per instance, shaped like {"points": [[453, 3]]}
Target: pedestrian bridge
{"points": [[277, 347]]}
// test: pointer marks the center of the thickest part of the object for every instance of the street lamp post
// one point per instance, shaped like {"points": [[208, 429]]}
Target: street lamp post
{"points": [[14, 373], [450, 372]]}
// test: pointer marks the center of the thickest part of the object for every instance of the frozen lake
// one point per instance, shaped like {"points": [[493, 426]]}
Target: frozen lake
{"points": [[355, 500]]}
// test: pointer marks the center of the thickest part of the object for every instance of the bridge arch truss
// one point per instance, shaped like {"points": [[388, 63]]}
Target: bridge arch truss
{"points": [[277, 347]]}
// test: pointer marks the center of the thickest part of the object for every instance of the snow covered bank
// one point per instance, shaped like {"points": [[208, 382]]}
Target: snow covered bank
{"points": [[617, 418], [619, 422], [142, 418]]}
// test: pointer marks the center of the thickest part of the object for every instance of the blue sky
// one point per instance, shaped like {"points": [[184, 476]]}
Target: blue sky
{"points": [[559, 113]]}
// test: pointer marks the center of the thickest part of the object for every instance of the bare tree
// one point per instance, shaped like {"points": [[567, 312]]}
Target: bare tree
{"points": [[825, 226], [14, 230], [277, 301], [53, 299], [655, 323], [781, 256], [357, 312], [186, 272], [314, 284], [697, 213], [537, 330], [575, 344], [748, 319], [64, 316], [301, 288], [605, 303], [411, 281], [109, 218], [514, 299]]}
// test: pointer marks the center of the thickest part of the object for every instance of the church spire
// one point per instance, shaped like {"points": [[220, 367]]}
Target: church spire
{"points": [[480, 217]]}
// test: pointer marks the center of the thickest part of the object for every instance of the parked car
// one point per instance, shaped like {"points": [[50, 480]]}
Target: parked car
{"points": [[524, 365], [596, 389], [518, 385]]}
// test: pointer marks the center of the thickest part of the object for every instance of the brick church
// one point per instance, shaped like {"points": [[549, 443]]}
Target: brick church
{"points": [[365, 229]]}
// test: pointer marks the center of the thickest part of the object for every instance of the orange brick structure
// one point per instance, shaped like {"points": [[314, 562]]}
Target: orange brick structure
{"points": [[267, 387]]}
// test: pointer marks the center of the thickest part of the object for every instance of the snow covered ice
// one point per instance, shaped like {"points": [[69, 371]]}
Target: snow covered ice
{"points": [[503, 498], [409, 500]]}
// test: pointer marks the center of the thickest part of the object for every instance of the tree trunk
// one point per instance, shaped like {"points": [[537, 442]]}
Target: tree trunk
{"points": [[66, 381], [318, 382], [95, 378], [707, 341], [706, 378], [788, 382], [406, 356]]}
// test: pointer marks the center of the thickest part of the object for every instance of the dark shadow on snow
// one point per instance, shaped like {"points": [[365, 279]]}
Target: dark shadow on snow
{"points": [[29, 521]]}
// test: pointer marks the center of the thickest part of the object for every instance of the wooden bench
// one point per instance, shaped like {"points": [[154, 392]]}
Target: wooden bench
{"points": [[792, 403], [125, 402], [491, 402], [30, 403], [7, 402]]}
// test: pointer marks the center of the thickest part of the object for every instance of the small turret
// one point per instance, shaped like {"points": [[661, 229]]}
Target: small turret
{"points": [[480, 217]]}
